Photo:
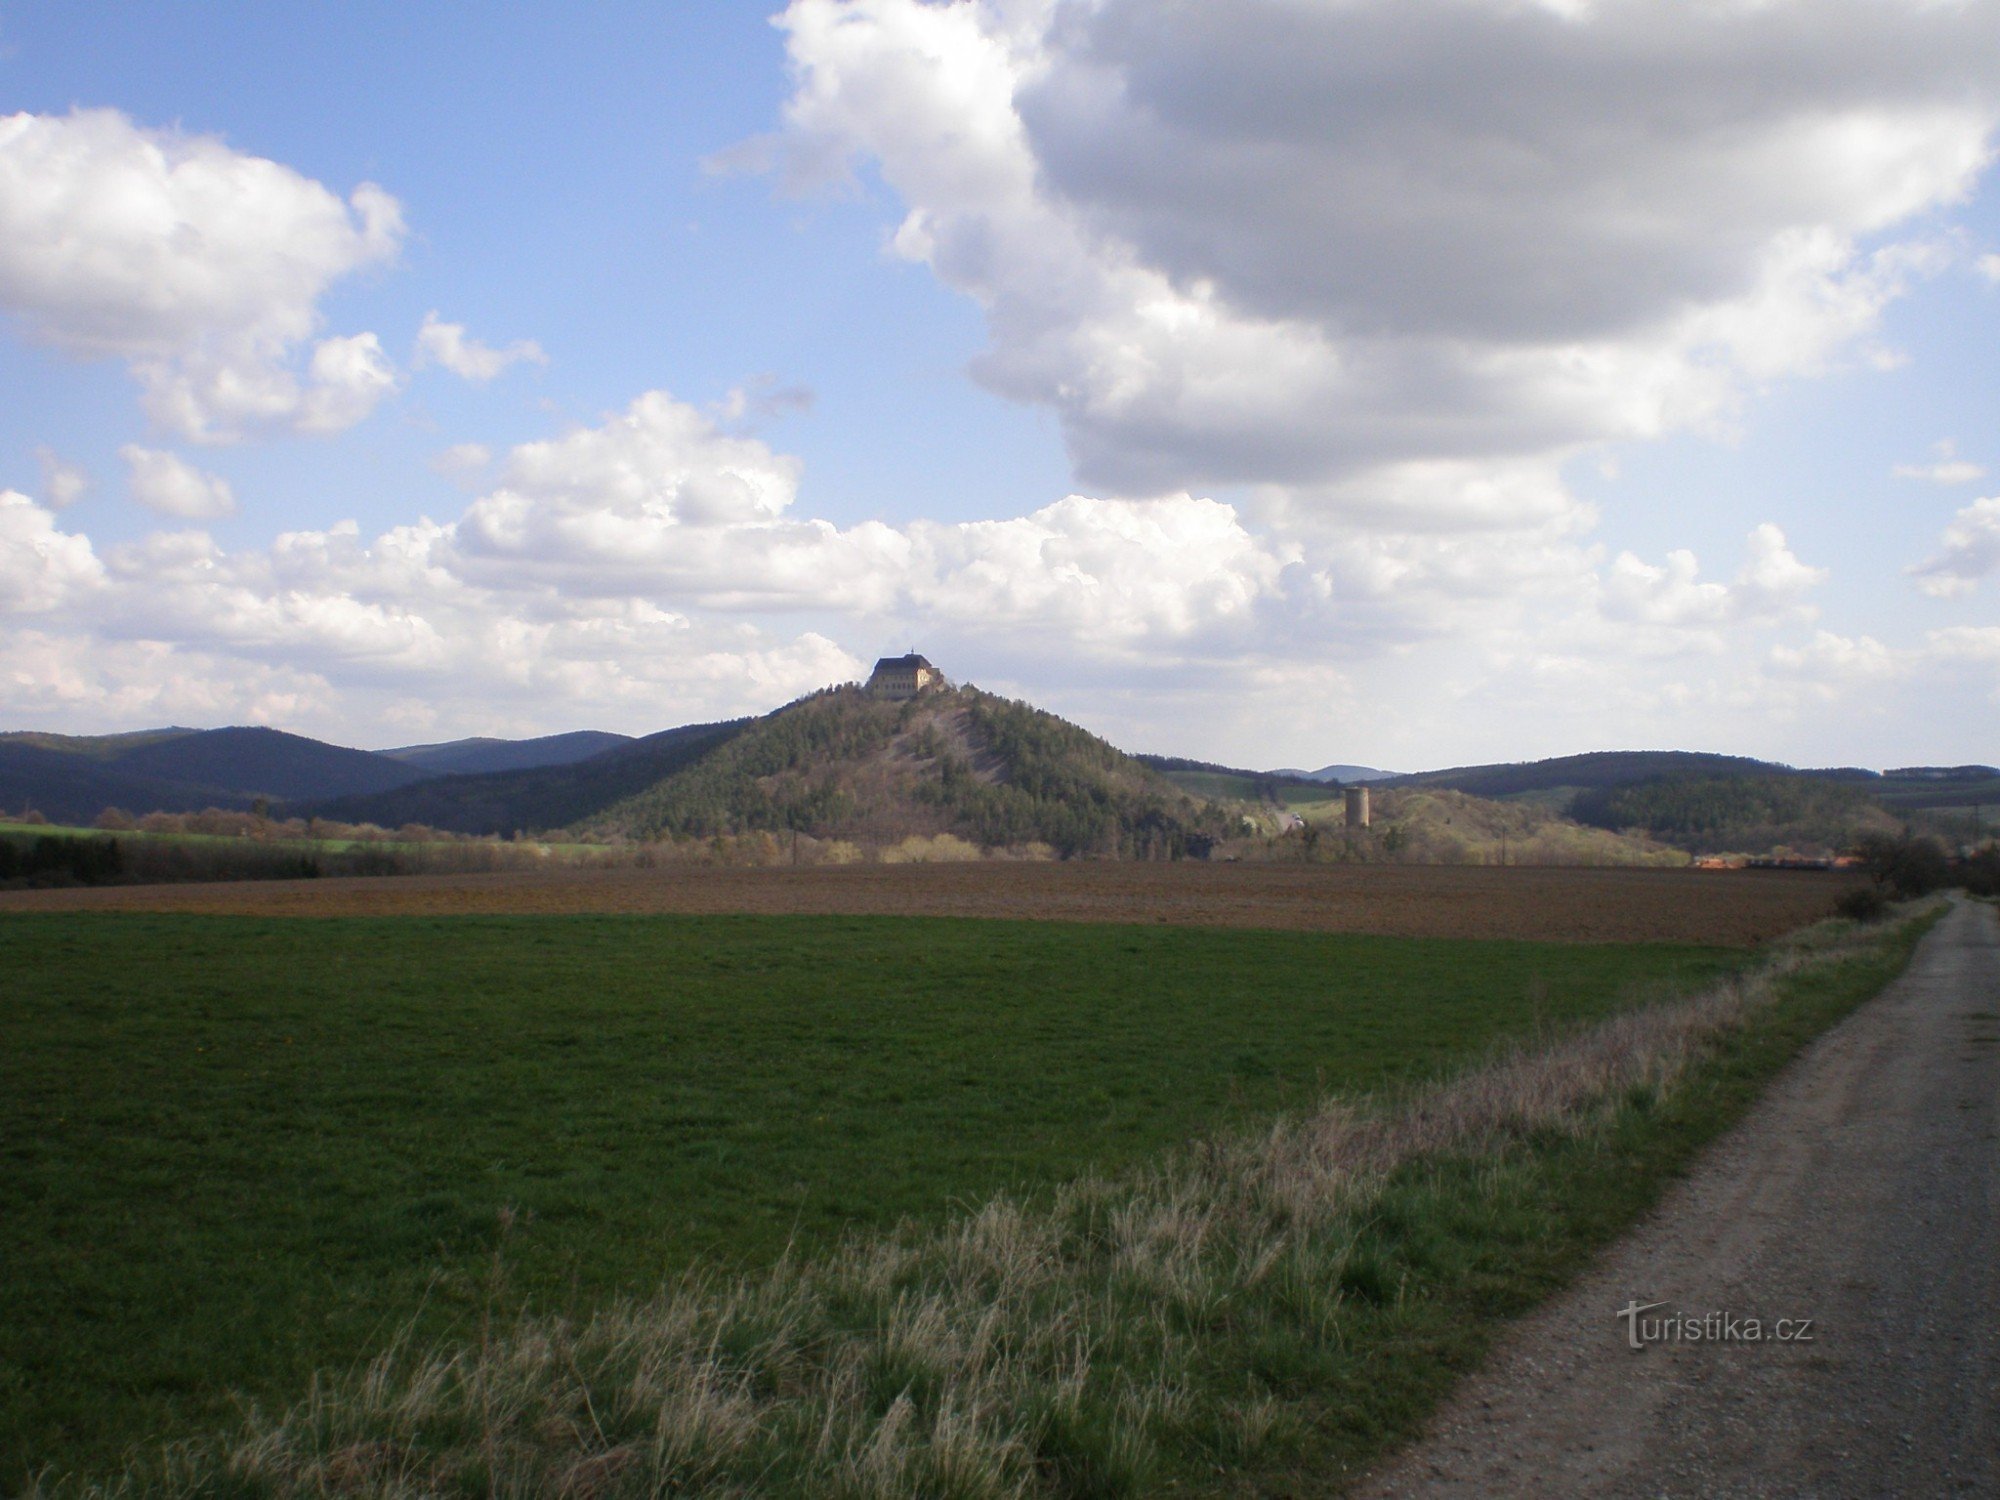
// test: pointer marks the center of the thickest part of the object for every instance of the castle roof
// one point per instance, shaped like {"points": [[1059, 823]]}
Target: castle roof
{"points": [[908, 663]]}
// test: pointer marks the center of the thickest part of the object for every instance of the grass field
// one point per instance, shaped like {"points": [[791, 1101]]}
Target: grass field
{"points": [[235, 1151]]}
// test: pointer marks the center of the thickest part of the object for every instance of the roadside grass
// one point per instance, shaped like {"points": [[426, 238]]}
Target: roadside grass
{"points": [[234, 1152], [1260, 1314]]}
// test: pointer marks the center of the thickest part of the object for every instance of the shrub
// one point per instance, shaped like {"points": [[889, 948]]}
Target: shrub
{"points": [[1908, 865], [1980, 873], [1864, 903]]}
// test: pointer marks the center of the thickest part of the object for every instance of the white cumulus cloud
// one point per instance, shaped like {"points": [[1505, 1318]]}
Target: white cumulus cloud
{"points": [[199, 265], [167, 483], [448, 345], [1946, 467], [41, 566], [1971, 552], [63, 483]]}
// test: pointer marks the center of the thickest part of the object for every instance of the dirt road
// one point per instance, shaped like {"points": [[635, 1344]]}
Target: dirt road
{"points": [[1864, 1194]]}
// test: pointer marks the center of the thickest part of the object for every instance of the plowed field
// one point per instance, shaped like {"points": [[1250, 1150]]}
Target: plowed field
{"points": [[1735, 907]]}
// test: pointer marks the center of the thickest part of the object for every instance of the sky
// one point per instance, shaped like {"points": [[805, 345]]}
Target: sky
{"points": [[1277, 382]]}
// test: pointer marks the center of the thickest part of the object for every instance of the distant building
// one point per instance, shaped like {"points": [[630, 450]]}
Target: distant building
{"points": [[1357, 807], [904, 677]]}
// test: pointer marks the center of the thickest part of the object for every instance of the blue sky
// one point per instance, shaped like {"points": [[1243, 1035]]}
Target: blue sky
{"points": [[1267, 381]]}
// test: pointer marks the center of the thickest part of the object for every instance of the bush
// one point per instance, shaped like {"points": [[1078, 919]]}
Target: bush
{"points": [[51, 859], [1907, 865], [1864, 903], [1980, 873]]}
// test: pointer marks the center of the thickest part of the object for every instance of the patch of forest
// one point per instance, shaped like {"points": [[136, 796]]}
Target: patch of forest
{"points": [[1713, 814]]}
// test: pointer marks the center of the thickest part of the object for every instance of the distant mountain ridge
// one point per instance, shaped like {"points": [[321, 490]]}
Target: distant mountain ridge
{"points": [[1594, 770], [271, 763], [1343, 774], [467, 757], [68, 787], [842, 764], [537, 797], [182, 771], [94, 746]]}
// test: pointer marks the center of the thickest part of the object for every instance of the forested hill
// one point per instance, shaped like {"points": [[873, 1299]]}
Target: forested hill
{"points": [[73, 778], [1713, 814], [475, 756], [844, 765], [1599, 769], [539, 797]]}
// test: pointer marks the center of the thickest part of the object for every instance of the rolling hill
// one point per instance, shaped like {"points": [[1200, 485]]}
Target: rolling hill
{"points": [[73, 778], [1201, 778], [475, 756], [1713, 803], [1599, 769], [1720, 814], [1439, 826], [67, 787], [841, 765], [91, 746], [1341, 773], [540, 797], [255, 762]]}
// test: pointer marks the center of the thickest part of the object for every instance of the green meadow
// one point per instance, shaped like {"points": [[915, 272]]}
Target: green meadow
{"points": [[235, 1151]]}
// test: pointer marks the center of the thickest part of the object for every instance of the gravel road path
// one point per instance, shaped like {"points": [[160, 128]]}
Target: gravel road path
{"points": [[1862, 1193]]}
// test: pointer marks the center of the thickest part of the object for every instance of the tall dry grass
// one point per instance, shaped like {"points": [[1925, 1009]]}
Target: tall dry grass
{"points": [[1056, 1347]]}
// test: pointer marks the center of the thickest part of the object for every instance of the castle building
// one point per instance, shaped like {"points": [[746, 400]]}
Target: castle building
{"points": [[904, 677]]}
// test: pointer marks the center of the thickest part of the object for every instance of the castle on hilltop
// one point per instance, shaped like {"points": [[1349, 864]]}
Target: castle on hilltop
{"points": [[898, 677]]}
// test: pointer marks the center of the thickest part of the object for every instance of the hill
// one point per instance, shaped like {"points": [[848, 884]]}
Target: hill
{"points": [[91, 746], [73, 778], [68, 787], [844, 765], [1928, 788], [256, 762], [1744, 814], [1340, 773], [476, 756], [539, 797], [1598, 769], [1427, 825], [1202, 778]]}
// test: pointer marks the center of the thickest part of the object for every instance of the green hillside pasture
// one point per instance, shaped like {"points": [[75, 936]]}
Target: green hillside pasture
{"points": [[234, 1151]]}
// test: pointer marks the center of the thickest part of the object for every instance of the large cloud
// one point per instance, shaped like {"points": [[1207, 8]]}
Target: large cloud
{"points": [[1266, 241], [197, 264], [651, 569]]}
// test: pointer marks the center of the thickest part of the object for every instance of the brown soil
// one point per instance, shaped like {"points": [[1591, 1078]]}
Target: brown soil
{"points": [[1735, 907]]}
